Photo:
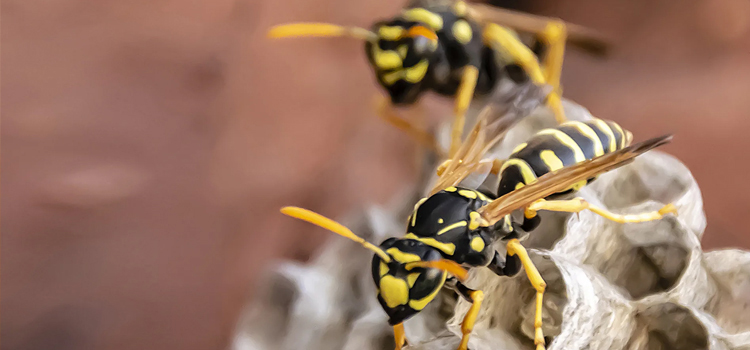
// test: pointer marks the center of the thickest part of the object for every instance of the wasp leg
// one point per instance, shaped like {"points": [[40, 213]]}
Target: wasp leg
{"points": [[576, 205], [506, 42], [464, 96], [399, 335], [515, 248], [509, 266], [475, 297], [386, 112], [554, 37], [496, 165]]}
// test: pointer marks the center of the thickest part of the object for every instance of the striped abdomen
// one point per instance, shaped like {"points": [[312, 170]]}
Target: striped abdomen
{"points": [[551, 149]]}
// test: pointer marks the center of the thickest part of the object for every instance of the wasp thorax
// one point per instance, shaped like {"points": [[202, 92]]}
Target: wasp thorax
{"points": [[403, 292]]}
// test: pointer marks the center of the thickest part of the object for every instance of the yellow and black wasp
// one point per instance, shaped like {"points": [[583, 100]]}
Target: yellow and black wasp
{"points": [[454, 49], [457, 227]]}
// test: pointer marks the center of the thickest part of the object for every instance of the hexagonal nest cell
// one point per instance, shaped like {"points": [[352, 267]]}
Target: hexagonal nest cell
{"points": [[609, 285]]}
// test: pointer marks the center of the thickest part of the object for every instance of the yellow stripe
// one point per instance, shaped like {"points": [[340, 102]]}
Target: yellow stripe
{"points": [[447, 248], [468, 194], [401, 256], [567, 141], [421, 303], [414, 214], [551, 160], [383, 269], [622, 134], [416, 73], [604, 128], [526, 172], [477, 244], [519, 148], [390, 33], [462, 31], [394, 291], [589, 133], [411, 278], [386, 59], [424, 16], [392, 77], [448, 228]]}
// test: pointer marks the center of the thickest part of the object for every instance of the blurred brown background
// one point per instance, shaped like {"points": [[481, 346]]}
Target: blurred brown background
{"points": [[147, 146]]}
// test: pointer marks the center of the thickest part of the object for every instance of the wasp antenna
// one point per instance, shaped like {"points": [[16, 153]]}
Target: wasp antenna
{"points": [[292, 30], [333, 226], [450, 266]]}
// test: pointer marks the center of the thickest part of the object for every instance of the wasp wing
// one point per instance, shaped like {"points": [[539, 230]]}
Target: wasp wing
{"points": [[562, 179], [467, 161], [579, 36]]}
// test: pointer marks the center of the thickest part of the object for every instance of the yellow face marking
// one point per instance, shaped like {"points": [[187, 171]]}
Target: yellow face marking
{"points": [[411, 278], [589, 133], [462, 31], [519, 148], [459, 8], [386, 59], [383, 269], [468, 194], [392, 77], [551, 160], [421, 303], [403, 50], [447, 248], [440, 221], [391, 33], [451, 189], [622, 134], [476, 220], [603, 127], [416, 207], [422, 15], [394, 291], [451, 227], [401, 256], [567, 141], [477, 244], [416, 73], [526, 172]]}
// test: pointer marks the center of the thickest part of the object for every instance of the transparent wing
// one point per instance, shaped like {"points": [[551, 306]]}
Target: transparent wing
{"points": [[467, 161], [562, 179]]}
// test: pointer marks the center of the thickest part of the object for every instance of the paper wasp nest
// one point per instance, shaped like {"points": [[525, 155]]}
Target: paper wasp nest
{"points": [[610, 286]]}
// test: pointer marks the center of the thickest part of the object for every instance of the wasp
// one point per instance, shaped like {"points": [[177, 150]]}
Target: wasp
{"points": [[455, 228], [454, 49]]}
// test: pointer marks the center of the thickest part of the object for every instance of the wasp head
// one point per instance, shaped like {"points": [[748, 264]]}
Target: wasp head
{"points": [[404, 290], [401, 57]]}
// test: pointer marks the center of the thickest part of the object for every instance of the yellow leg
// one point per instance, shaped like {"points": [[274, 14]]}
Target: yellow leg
{"points": [[506, 42], [554, 36], [464, 96], [471, 316], [515, 247], [386, 112], [496, 164], [399, 335], [576, 205]]}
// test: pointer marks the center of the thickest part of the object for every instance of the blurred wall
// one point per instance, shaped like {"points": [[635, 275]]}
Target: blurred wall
{"points": [[147, 146]]}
